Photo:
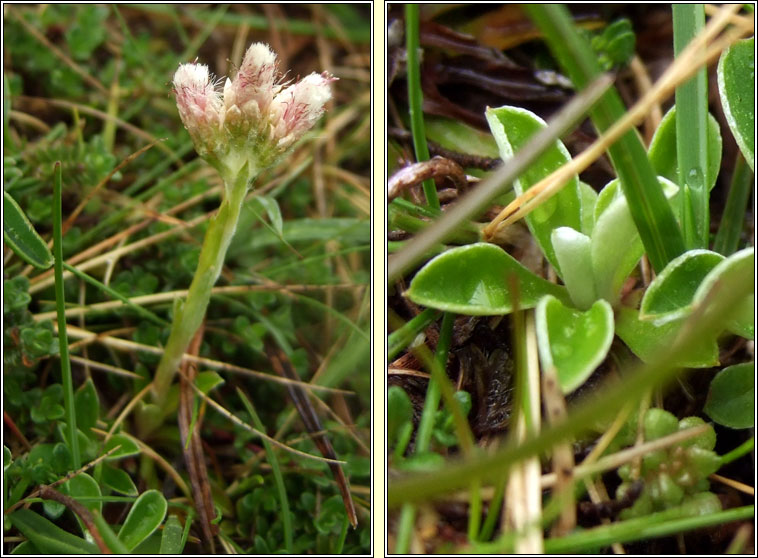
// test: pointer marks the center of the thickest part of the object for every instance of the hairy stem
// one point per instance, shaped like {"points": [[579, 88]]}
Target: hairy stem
{"points": [[189, 315]]}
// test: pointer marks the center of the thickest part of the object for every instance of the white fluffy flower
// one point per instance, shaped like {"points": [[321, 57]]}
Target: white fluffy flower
{"points": [[255, 120]]}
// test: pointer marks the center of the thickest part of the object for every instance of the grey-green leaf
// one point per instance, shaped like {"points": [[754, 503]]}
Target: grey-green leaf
{"points": [[736, 78], [87, 406], [616, 244], [20, 235], [512, 127], [573, 250], [476, 280], [574, 342], [127, 446], [647, 340], [742, 321], [670, 295]]}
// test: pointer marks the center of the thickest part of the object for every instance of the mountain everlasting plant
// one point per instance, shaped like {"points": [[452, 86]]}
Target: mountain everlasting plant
{"points": [[240, 131]]}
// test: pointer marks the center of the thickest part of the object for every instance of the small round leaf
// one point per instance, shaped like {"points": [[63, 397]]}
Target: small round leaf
{"points": [[731, 397]]}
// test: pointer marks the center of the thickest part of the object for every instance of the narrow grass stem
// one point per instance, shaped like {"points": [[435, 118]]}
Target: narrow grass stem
{"points": [[189, 316], [733, 219], [424, 433], [415, 98], [60, 303], [277, 472]]}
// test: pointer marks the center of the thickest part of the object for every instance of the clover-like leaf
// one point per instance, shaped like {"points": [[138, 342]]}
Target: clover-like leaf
{"points": [[512, 127], [663, 156], [731, 397], [669, 297], [475, 280], [146, 515], [574, 342], [736, 78], [647, 340]]}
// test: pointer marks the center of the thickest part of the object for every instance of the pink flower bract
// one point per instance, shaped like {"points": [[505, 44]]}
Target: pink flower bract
{"points": [[255, 119]]}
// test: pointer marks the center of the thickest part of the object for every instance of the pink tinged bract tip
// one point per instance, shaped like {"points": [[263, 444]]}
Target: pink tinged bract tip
{"points": [[196, 97], [297, 107], [256, 79]]}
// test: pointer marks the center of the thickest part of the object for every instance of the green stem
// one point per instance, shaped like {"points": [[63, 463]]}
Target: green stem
{"points": [[189, 316]]}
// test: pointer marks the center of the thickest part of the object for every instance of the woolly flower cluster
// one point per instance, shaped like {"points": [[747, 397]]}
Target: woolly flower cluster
{"points": [[256, 119]]}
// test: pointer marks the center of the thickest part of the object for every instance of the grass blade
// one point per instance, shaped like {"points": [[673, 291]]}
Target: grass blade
{"points": [[691, 132], [733, 220], [60, 304], [657, 226]]}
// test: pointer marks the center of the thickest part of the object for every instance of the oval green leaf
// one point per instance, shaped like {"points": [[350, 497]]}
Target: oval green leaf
{"points": [[84, 486], [146, 515], [512, 127], [573, 250], [574, 342], [47, 537], [647, 340], [475, 279], [588, 198], [206, 381], [171, 538], [399, 413], [731, 397], [119, 481], [742, 321], [662, 152], [455, 135], [670, 295], [616, 244], [736, 78], [20, 235], [87, 406], [128, 446]]}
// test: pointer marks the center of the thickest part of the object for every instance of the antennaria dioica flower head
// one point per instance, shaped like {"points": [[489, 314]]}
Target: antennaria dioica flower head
{"points": [[256, 118], [240, 131]]}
